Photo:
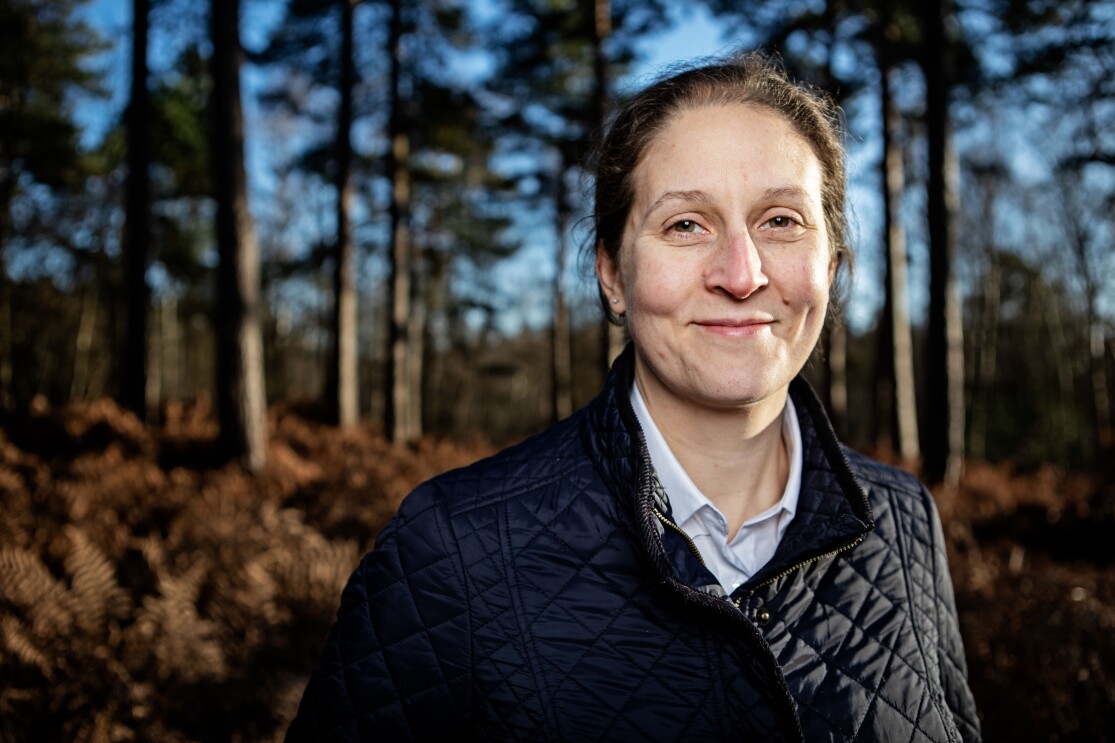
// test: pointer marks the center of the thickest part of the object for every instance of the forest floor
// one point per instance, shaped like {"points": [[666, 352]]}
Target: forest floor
{"points": [[148, 594]]}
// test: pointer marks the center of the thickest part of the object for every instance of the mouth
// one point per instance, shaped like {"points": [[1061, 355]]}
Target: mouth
{"points": [[736, 327]]}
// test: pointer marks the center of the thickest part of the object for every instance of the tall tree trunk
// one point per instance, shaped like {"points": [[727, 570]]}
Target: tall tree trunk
{"points": [[987, 343], [836, 375], [137, 227], [943, 441], [898, 411], [83, 343], [1067, 426], [1080, 232], [1097, 368], [834, 340], [7, 394], [7, 345], [613, 336], [155, 392], [398, 369], [1096, 364], [171, 343], [241, 400], [341, 386], [562, 392], [416, 354]]}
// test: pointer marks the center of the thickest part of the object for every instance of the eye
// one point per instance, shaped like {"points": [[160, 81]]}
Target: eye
{"points": [[781, 222], [687, 227]]}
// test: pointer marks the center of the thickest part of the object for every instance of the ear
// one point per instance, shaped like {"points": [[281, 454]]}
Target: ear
{"points": [[839, 257], [611, 282]]}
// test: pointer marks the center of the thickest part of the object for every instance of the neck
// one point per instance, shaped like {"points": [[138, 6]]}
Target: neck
{"points": [[736, 457]]}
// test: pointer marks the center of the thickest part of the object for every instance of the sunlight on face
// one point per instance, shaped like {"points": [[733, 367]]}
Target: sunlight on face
{"points": [[725, 268]]}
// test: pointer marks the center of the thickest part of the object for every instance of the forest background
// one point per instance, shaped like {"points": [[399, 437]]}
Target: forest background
{"points": [[265, 265]]}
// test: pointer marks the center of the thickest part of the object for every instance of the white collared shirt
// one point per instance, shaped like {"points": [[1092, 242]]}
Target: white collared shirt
{"points": [[731, 561]]}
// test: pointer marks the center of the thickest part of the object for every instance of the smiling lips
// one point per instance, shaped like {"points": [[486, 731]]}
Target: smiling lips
{"points": [[736, 327]]}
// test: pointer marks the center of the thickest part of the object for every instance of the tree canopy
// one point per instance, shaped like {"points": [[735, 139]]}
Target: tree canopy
{"points": [[497, 105]]}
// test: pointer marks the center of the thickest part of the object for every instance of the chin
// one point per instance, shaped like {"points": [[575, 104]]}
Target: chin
{"points": [[744, 389]]}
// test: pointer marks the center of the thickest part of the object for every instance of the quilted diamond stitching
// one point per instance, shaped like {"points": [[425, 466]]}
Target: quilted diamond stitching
{"points": [[857, 564], [369, 635], [545, 529]]}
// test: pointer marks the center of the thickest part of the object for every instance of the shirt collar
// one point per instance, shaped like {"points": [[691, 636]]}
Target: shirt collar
{"points": [[684, 495]]}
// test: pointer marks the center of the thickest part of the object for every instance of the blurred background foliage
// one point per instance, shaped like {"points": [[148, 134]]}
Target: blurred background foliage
{"points": [[458, 132]]}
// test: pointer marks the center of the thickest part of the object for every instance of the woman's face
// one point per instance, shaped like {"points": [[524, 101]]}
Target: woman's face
{"points": [[725, 267]]}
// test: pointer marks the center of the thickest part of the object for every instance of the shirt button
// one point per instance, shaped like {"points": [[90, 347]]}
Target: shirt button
{"points": [[762, 615]]}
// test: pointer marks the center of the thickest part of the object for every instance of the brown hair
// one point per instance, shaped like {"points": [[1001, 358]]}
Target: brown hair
{"points": [[751, 79]]}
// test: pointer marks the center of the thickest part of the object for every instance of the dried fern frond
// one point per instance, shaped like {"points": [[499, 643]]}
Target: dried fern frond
{"points": [[264, 588], [100, 727], [154, 552], [222, 583], [18, 642], [184, 647], [91, 424], [313, 571], [184, 589], [17, 517], [288, 472], [28, 584], [10, 480], [96, 593], [169, 637]]}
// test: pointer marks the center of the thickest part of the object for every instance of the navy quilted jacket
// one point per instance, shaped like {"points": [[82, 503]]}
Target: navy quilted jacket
{"points": [[537, 595]]}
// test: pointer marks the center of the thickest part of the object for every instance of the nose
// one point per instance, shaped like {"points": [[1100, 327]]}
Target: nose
{"points": [[737, 269]]}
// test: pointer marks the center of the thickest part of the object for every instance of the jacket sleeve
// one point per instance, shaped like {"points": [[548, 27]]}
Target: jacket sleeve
{"points": [[396, 663], [954, 667]]}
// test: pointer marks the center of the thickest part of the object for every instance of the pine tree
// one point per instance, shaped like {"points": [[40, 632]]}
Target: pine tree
{"points": [[45, 58], [944, 440], [1063, 59], [315, 45], [556, 65], [137, 229], [241, 402]]}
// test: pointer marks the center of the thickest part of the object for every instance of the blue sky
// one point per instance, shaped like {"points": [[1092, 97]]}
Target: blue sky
{"points": [[690, 33]]}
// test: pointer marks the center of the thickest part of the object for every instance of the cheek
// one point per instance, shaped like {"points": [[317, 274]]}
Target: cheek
{"points": [[820, 286], [654, 287], [808, 284]]}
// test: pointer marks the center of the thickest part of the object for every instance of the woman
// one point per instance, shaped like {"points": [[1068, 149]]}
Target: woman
{"points": [[693, 555]]}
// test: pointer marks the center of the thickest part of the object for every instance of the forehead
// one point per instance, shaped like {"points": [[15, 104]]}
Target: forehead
{"points": [[727, 143]]}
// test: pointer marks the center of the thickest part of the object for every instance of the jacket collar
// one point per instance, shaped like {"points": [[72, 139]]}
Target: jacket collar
{"points": [[833, 511]]}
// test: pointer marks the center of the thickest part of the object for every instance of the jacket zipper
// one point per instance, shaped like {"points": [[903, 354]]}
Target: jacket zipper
{"points": [[688, 539], [801, 564], [697, 553], [792, 720], [719, 605]]}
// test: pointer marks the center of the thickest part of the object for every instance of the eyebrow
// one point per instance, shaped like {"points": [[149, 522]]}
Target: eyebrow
{"points": [[787, 192], [701, 197]]}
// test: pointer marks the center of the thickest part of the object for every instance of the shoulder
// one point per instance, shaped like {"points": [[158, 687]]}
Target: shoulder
{"points": [[403, 608], [547, 457], [875, 475], [460, 511], [522, 502], [897, 498]]}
